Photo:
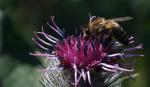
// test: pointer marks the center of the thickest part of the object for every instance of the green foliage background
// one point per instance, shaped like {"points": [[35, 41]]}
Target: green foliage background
{"points": [[19, 18]]}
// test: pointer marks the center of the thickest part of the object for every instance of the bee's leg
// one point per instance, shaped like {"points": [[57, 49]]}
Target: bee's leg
{"points": [[106, 40]]}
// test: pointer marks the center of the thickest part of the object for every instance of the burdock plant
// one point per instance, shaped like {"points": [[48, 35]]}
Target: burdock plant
{"points": [[97, 57]]}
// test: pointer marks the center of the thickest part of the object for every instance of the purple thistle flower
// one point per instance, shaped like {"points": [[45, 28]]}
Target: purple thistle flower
{"points": [[82, 55]]}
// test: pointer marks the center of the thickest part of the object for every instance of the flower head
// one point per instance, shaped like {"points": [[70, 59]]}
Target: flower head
{"points": [[84, 54]]}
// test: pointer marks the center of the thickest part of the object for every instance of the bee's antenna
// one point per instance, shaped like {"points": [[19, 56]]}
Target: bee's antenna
{"points": [[91, 17], [89, 14]]}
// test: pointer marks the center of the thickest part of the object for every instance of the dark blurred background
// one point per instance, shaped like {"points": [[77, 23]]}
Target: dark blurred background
{"points": [[19, 18]]}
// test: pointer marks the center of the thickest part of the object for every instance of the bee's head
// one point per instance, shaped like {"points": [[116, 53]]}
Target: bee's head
{"points": [[95, 25]]}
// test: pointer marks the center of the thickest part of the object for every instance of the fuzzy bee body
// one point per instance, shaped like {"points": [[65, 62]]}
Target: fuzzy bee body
{"points": [[105, 29]]}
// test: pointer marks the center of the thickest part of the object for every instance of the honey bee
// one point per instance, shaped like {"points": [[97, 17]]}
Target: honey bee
{"points": [[105, 29]]}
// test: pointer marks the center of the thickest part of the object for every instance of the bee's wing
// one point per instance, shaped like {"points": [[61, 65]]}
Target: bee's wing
{"points": [[121, 19]]}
